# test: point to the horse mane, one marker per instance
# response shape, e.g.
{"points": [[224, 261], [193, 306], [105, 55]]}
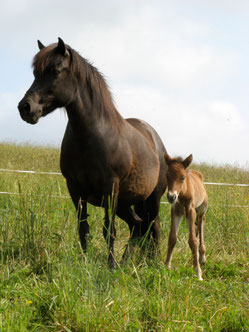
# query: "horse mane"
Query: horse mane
{"points": [[86, 73]]}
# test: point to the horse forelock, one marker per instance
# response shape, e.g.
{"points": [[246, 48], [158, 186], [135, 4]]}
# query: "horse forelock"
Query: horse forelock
{"points": [[47, 56], [176, 160], [176, 165], [44, 58]]}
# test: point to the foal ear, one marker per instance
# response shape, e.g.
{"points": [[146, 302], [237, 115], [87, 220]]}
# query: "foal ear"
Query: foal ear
{"points": [[40, 45], [167, 158], [62, 47], [186, 162]]}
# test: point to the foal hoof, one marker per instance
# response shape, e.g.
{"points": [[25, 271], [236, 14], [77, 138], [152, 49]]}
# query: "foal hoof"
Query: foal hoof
{"points": [[203, 260]]}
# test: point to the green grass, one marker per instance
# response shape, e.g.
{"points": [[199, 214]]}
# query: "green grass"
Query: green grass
{"points": [[47, 284]]}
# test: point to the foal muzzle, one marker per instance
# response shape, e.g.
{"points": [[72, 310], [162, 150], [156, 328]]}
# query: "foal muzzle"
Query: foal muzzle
{"points": [[172, 197]]}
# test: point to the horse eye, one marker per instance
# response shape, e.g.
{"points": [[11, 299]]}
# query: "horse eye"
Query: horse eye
{"points": [[182, 178], [56, 72]]}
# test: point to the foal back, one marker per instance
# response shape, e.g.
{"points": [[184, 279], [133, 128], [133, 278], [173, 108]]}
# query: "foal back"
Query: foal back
{"points": [[196, 190]]}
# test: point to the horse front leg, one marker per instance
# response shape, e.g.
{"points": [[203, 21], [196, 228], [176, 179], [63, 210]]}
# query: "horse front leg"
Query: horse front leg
{"points": [[83, 224], [202, 248], [109, 231], [193, 243], [81, 208], [176, 215]]}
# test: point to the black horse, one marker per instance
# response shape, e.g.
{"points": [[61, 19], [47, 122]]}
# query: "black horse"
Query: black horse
{"points": [[103, 155]]}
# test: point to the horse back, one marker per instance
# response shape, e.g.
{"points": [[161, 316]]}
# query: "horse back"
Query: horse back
{"points": [[151, 137], [197, 189]]}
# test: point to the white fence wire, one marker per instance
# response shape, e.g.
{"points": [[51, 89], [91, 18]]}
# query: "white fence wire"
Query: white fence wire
{"points": [[63, 196]]}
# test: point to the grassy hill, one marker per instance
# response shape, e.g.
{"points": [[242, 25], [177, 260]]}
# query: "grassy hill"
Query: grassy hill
{"points": [[47, 284]]}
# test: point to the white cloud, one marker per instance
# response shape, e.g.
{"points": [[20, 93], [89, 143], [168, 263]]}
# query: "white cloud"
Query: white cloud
{"points": [[213, 131]]}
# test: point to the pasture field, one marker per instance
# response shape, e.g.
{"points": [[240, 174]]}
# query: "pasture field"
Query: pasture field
{"points": [[48, 284]]}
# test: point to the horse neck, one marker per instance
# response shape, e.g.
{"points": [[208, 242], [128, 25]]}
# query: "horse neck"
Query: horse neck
{"points": [[92, 110]]}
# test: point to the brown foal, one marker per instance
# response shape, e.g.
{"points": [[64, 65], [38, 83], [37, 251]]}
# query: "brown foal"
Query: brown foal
{"points": [[186, 193]]}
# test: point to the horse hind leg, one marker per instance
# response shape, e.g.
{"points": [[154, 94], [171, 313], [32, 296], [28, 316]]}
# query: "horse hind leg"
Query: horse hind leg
{"points": [[202, 248], [127, 214], [148, 211]]}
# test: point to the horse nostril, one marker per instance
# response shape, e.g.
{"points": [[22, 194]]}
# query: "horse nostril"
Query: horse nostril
{"points": [[171, 197], [26, 107]]}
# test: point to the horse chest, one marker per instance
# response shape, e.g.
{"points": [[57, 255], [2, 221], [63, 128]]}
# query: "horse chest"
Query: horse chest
{"points": [[81, 168]]}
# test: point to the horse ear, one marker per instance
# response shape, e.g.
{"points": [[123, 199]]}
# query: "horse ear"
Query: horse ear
{"points": [[40, 45], [167, 158], [62, 47], [186, 162]]}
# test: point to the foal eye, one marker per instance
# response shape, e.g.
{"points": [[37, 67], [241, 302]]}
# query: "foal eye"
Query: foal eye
{"points": [[182, 178]]}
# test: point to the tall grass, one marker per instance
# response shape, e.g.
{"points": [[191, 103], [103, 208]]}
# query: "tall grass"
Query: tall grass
{"points": [[48, 284]]}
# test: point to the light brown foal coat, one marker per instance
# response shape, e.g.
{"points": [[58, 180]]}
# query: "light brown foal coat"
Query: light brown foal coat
{"points": [[187, 195]]}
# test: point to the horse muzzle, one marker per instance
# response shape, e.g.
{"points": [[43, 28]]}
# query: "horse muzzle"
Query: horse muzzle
{"points": [[29, 112], [172, 197]]}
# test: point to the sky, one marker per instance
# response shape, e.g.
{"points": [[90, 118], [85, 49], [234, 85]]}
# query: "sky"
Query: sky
{"points": [[182, 66]]}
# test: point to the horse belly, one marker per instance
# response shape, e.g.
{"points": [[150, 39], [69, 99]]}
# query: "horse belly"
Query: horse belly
{"points": [[140, 183]]}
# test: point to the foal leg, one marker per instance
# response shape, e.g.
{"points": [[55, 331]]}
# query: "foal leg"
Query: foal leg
{"points": [[202, 248], [81, 207], [193, 243], [176, 215]]}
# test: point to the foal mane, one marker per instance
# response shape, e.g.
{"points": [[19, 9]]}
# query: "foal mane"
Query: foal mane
{"points": [[86, 74], [176, 160]]}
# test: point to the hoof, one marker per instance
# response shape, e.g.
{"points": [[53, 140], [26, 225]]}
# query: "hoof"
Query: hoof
{"points": [[112, 264], [203, 260]]}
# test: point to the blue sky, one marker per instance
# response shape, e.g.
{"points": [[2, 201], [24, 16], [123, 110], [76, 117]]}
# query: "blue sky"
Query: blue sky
{"points": [[183, 66]]}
